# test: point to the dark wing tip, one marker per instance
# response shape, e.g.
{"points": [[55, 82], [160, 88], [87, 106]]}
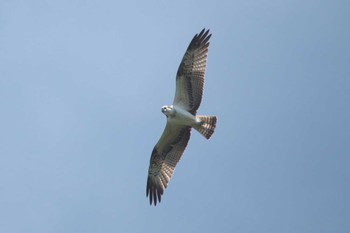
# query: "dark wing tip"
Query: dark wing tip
{"points": [[154, 192], [204, 34], [200, 40]]}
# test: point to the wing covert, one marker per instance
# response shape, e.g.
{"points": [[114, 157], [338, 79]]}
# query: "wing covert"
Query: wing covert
{"points": [[165, 156], [191, 73]]}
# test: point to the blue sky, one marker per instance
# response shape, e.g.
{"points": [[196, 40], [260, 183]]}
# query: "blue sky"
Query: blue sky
{"points": [[82, 84]]}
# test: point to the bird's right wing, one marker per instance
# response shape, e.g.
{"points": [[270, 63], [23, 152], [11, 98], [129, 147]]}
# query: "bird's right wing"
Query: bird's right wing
{"points": [[165, 155]]}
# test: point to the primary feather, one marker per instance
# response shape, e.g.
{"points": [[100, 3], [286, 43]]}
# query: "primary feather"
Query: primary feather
{"points": [[181, 117]]}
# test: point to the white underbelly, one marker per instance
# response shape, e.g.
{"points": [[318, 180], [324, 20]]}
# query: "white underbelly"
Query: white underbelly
{"points": [[183, 117]]}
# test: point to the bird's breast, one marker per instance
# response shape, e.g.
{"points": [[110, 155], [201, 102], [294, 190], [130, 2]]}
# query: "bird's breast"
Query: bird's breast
{"points": [[182, 117]]}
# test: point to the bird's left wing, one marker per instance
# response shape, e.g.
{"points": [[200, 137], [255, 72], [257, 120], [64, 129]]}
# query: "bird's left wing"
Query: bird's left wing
{"points": [[165, 155], [191, 72]]}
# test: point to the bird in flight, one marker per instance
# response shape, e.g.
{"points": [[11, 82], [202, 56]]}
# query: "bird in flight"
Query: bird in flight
{"points": [[181, 117]]}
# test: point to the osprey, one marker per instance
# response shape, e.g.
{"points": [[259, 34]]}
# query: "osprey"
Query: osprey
{"points": [[181, 117]]}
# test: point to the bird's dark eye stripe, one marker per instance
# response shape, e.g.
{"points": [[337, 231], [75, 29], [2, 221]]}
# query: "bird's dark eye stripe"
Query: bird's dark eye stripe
{"points": [[175, 137]]}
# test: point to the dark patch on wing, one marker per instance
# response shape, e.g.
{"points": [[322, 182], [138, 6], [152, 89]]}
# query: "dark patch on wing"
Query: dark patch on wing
{"points": [[191, 72], [162, 165]]}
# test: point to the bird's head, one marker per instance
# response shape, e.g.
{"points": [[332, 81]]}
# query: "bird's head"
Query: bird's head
{"points": [[168, 110]]}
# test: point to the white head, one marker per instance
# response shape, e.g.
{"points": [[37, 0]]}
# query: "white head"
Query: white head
{"points": [[168, 110]]}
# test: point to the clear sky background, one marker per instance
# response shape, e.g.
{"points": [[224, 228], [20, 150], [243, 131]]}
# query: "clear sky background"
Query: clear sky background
{"points": [[81, 88]]}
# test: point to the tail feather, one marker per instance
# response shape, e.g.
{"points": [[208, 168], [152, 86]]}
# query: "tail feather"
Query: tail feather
{"points": [[206, 126]]}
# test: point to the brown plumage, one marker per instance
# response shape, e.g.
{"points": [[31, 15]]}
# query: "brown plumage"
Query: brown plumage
{"points": [[181, 117]]}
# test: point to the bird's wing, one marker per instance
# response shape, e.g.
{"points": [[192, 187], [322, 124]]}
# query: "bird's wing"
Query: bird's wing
{"points": [[191, 72], [165, 155]]}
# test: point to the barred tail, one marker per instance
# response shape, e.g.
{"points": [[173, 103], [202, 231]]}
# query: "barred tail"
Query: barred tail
{"points": [[206, 126]]}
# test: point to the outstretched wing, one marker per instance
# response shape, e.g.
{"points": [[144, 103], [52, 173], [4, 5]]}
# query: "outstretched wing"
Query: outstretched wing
{"points": [[165, 155], [191, 72]]}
